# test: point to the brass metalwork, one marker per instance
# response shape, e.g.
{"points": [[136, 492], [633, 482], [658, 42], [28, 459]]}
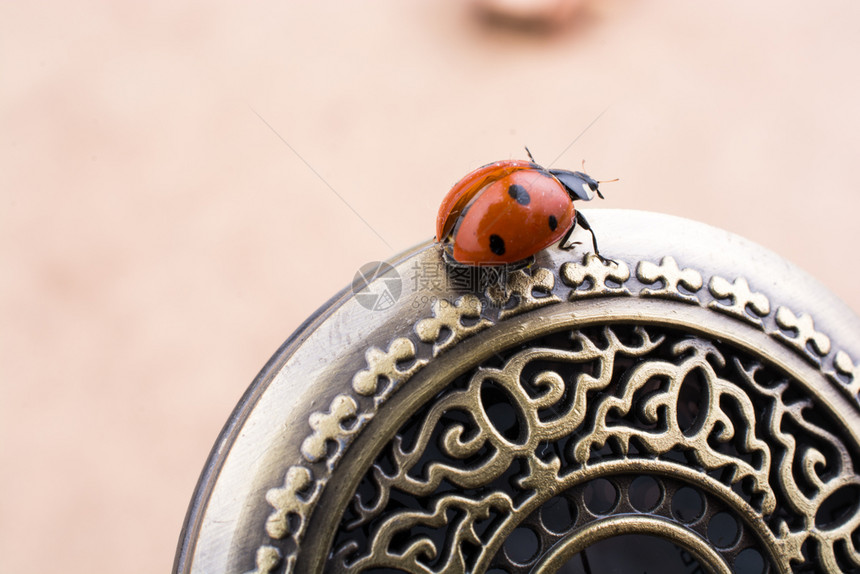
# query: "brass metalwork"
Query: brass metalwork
{"points": [[428, 437], [616, 526]]}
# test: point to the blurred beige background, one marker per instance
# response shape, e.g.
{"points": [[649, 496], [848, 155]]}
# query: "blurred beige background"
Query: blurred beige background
{"points": [[158, 241]]}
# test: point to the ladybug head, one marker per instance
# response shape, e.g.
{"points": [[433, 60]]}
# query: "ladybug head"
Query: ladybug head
{"points": [[579, 185]]}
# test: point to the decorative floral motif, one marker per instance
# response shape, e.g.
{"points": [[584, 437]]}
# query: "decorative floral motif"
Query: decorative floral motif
{"points": [[816, 469], [595, 278], [293, 499], [744, 304], [672, 277], [806, 340], [384, 372], [451, 323], [550, 418], [268, 558], [846, 367], [611, 395], [524, 291], [331, 428], [663, 409]]}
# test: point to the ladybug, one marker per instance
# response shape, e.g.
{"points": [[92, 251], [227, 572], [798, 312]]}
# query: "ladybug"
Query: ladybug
{"points": [[505, 212]]}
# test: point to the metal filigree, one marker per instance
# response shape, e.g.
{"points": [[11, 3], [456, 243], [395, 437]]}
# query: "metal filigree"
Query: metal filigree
{"points": [[385, 371], [745, 304], [485, 456], [332, 427], [804, 337], [674, 279], [593, 277], [291, 500], [634, 414], [592, 413], [452, 322], [513, 427], [266, 560], [524, 292], [664, 408], [846, 368]]}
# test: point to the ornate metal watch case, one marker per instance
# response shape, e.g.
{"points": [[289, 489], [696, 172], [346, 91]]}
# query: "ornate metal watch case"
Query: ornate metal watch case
{"points": [[698, 400]]}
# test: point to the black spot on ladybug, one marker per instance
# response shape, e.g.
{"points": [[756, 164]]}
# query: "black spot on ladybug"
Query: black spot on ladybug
{"points": [[497, 244], [519, 193], [553, 223]]}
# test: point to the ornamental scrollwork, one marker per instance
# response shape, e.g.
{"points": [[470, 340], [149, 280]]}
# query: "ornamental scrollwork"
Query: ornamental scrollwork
{"points": [[541, 421], [496, 447]]}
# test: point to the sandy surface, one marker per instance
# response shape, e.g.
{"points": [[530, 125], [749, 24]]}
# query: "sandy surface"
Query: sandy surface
{"points": [[158, 241]]}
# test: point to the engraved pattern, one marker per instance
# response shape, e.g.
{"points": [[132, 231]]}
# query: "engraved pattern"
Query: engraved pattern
{"points": [[804, 338], [467, 400], [332, 427], [414, 556], [267, 559], [573, 411], [813, 472], [452, 322], [524, 292], [489, 449], [385, 370], [571, 511], [291, 500], [744, 304], [714, 422], [595, 277], [846, 367], [672, 278]]}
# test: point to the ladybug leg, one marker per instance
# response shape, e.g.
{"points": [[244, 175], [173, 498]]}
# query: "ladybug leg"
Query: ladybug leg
{"points": [[581, 220], [563, 243]]}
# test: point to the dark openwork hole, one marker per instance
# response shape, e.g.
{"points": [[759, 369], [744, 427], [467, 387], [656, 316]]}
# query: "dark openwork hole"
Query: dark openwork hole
{"points": [[634, 553]]}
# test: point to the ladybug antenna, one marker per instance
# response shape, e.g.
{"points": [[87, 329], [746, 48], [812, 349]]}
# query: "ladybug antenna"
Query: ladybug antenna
{"points": [[604, 181], [598, 181], [530, 154]]}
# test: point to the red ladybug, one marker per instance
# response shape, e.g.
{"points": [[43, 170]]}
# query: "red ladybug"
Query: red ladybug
{"points": [[507, 211]]}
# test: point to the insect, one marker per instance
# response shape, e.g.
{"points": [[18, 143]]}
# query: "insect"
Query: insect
{"points": [[505, 212]]}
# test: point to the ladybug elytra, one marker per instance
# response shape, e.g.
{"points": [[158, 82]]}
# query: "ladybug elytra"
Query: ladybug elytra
{"points": [[507, 211]]}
